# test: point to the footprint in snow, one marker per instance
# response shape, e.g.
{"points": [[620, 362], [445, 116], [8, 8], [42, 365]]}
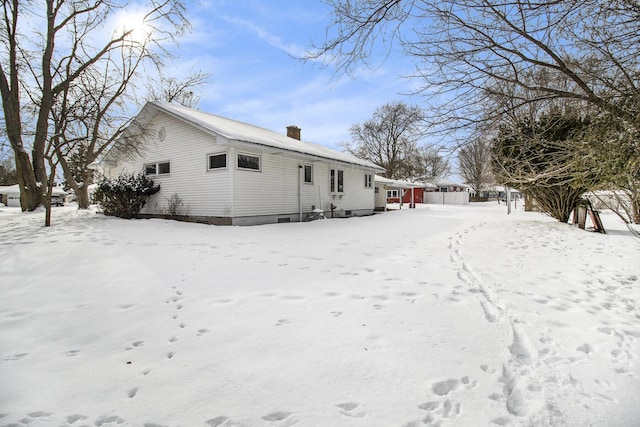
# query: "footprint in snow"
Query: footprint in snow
{"points": [[281, 417], [106, 420], [442, 388], [39, 414], [429, 406], [217, 421], [75, 417], [350, 409], [17, 356]]}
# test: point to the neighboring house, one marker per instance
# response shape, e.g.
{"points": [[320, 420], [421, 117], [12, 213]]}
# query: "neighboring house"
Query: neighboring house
{"points": [[448, 193], [229, 172], [444, 185], [10, 196], [497, 192], [438, 192], [390, 191]]}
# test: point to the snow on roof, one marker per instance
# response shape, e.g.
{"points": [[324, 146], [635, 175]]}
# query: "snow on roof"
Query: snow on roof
{"points": [[440, 182], [244, 132], [397, 183], [13, 189]]}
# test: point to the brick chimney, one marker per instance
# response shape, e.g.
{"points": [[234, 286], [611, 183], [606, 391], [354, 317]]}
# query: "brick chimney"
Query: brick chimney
{"points": [[293, 131]]}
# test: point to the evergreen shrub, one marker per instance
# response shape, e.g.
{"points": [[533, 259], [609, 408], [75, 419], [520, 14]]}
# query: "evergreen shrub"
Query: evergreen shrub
{"points": [[125, 195]]}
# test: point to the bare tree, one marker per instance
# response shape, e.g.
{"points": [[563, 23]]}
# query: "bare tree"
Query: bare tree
{"points": [[181, 91], [389, 139], [474, 163], [47, 50], [431, 164], [465, 50], [8, 174]]}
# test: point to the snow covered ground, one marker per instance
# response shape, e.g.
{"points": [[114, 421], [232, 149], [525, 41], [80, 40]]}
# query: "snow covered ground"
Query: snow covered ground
{"points": [[440, 315]]}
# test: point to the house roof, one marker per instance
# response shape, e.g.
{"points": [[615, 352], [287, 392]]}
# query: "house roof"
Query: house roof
{"points": [[396, 183], [244, 132], [15, 189], [441, 182]]}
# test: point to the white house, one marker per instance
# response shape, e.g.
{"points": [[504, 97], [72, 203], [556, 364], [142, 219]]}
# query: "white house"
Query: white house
{"points": [[229, 172]]}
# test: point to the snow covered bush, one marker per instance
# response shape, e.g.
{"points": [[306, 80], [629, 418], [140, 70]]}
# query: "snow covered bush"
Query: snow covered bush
{"points": [[125, 195]]}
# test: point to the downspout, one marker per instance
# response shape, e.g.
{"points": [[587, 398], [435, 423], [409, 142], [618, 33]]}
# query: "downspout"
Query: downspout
{"points": [[233, 166], [300, 172]]}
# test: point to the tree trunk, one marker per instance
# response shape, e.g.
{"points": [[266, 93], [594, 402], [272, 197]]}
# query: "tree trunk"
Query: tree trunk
{"points": [[30, 192], [47, 205], [83, 196], [81, 190]]}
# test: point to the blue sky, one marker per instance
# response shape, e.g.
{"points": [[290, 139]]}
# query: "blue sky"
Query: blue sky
{"points": [[248, 45]]}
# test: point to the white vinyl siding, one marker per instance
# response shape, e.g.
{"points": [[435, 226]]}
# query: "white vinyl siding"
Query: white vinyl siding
{"points": [[275, 190], [272, 192], [205, 194], [232, 192]]}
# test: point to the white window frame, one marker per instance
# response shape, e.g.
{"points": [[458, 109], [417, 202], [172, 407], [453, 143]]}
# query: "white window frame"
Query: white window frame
{"points": [[156, 166], [368, 180], [305, 173], [335, 183], [226, 161], [259, 169]]}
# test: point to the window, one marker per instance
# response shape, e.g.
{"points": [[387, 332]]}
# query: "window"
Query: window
{"points": [[246, 161], [164, 168], [218, 161], [368, 180], [161, 168], [337, 181], [308, 174]]}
